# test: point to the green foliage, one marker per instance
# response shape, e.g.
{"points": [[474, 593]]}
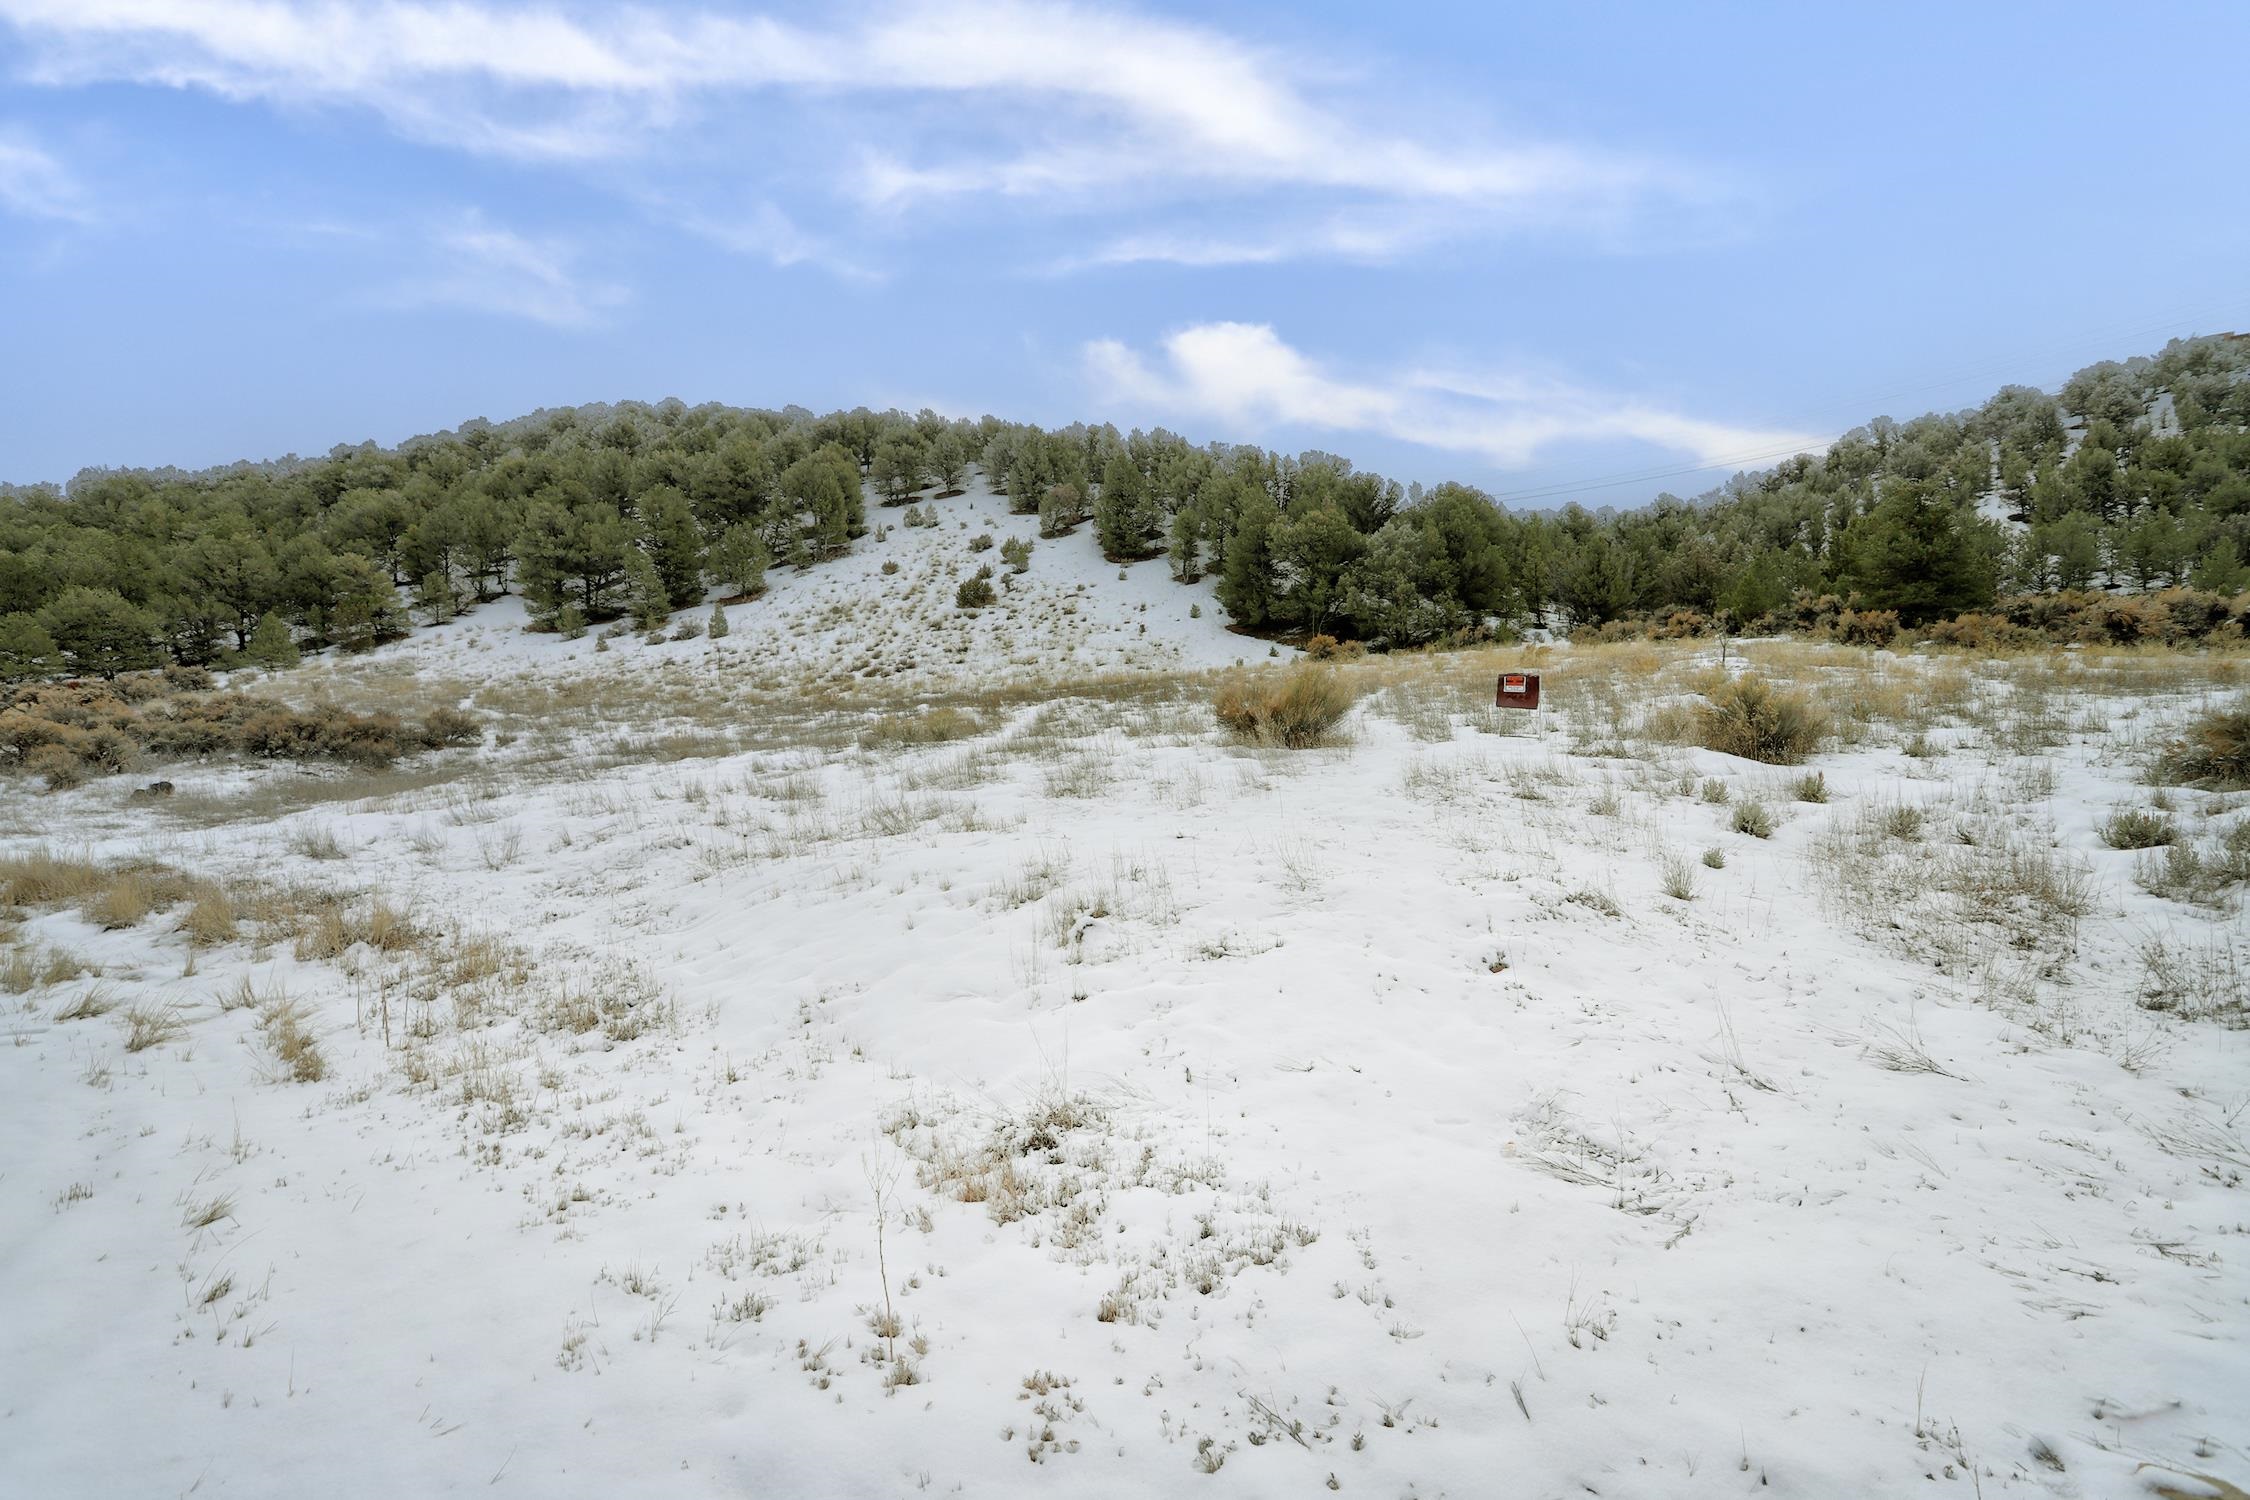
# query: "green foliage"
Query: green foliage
{"points": [[673, 544], [271, 644], [719, 626], [646, 596], [1061, 510], [27, 651], [1129, 514], [1921, 555], [738, 561], [975, 593], [123, 568], [97, 633], [1016, 553], [899, 467]]}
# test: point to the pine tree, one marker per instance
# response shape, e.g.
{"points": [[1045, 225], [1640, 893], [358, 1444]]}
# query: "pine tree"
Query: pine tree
{"points": [[1915, 553], [719, 626], [673, 544], [737, 561], [26, 650], [1123, 513], [645, 596], [271, 643], [2221, 569], [99, 633], [1246, 582]]}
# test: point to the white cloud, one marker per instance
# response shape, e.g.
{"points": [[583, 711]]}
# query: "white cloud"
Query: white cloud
{"points": [[34, 185], [485, 268], [1244, 375], [1094, 106]]}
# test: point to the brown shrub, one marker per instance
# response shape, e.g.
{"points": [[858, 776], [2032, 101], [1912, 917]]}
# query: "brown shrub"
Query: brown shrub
{"points": [[1748, 716], [1295, 708], [65, 731], [1865, 627], [2213, 752]]}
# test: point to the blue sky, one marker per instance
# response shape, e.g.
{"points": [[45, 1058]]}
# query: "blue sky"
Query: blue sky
{"points": [[1532, 247]]}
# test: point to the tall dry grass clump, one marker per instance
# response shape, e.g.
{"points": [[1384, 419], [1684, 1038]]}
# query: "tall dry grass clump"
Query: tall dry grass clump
{"points": [[2213, 752], [1750, 717], [1295, 708]]}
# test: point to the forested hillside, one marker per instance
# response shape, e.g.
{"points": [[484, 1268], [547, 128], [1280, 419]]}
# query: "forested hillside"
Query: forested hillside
{"points": [[2135, 479]]}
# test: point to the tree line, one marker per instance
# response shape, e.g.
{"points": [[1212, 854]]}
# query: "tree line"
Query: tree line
{"points": [[2135, 477]]}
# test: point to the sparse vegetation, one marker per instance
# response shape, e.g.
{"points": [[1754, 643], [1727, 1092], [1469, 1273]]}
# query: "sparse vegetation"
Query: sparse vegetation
{"points": [[2212, 752], [1297, 707], [1750, 717], [2136, 828]]}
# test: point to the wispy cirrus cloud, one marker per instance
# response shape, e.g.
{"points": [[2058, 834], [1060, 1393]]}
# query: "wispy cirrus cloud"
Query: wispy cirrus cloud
{"points": [[1076, 108], [1245, 375], [484, 267], [35, 185]]}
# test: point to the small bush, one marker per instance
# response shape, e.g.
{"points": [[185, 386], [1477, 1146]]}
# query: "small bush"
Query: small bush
{"points": [[1295, 708], [981, 542], [974, 593], [1715, 859], [1751, 817], [1748, 716], [1320, 647], [1016, 553], [1810, 787], [2135, 829], [2213, 752], [890, 567]]}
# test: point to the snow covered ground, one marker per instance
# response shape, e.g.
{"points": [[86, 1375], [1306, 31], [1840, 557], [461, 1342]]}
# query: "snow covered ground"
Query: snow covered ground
{"points": [[1069, 613], [755, 1101]]}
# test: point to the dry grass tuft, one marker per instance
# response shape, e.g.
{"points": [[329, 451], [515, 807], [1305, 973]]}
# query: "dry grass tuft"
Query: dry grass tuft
{"points": [[124, 902], [2132, 828], [1295, 709], [935, 726], [2213, 752], [1750, 717], [289, 1037], [210, 920], [41, 878], [149, 1026]]}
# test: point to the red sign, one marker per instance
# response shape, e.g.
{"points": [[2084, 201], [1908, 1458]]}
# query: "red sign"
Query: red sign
{"points": [[1518, 690]]}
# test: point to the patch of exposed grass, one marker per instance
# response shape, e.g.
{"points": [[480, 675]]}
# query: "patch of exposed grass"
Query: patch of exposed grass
{"points": [[1750, 717], [1295, 708], [2212, 752]]}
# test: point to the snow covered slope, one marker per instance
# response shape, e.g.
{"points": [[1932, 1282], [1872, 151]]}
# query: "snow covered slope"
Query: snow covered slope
{"points": [[1069, 613], [1086, 1106]]}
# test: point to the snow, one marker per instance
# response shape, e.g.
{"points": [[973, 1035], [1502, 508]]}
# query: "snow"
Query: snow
{"points": [[1413, 1137], [1070, 612]]}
